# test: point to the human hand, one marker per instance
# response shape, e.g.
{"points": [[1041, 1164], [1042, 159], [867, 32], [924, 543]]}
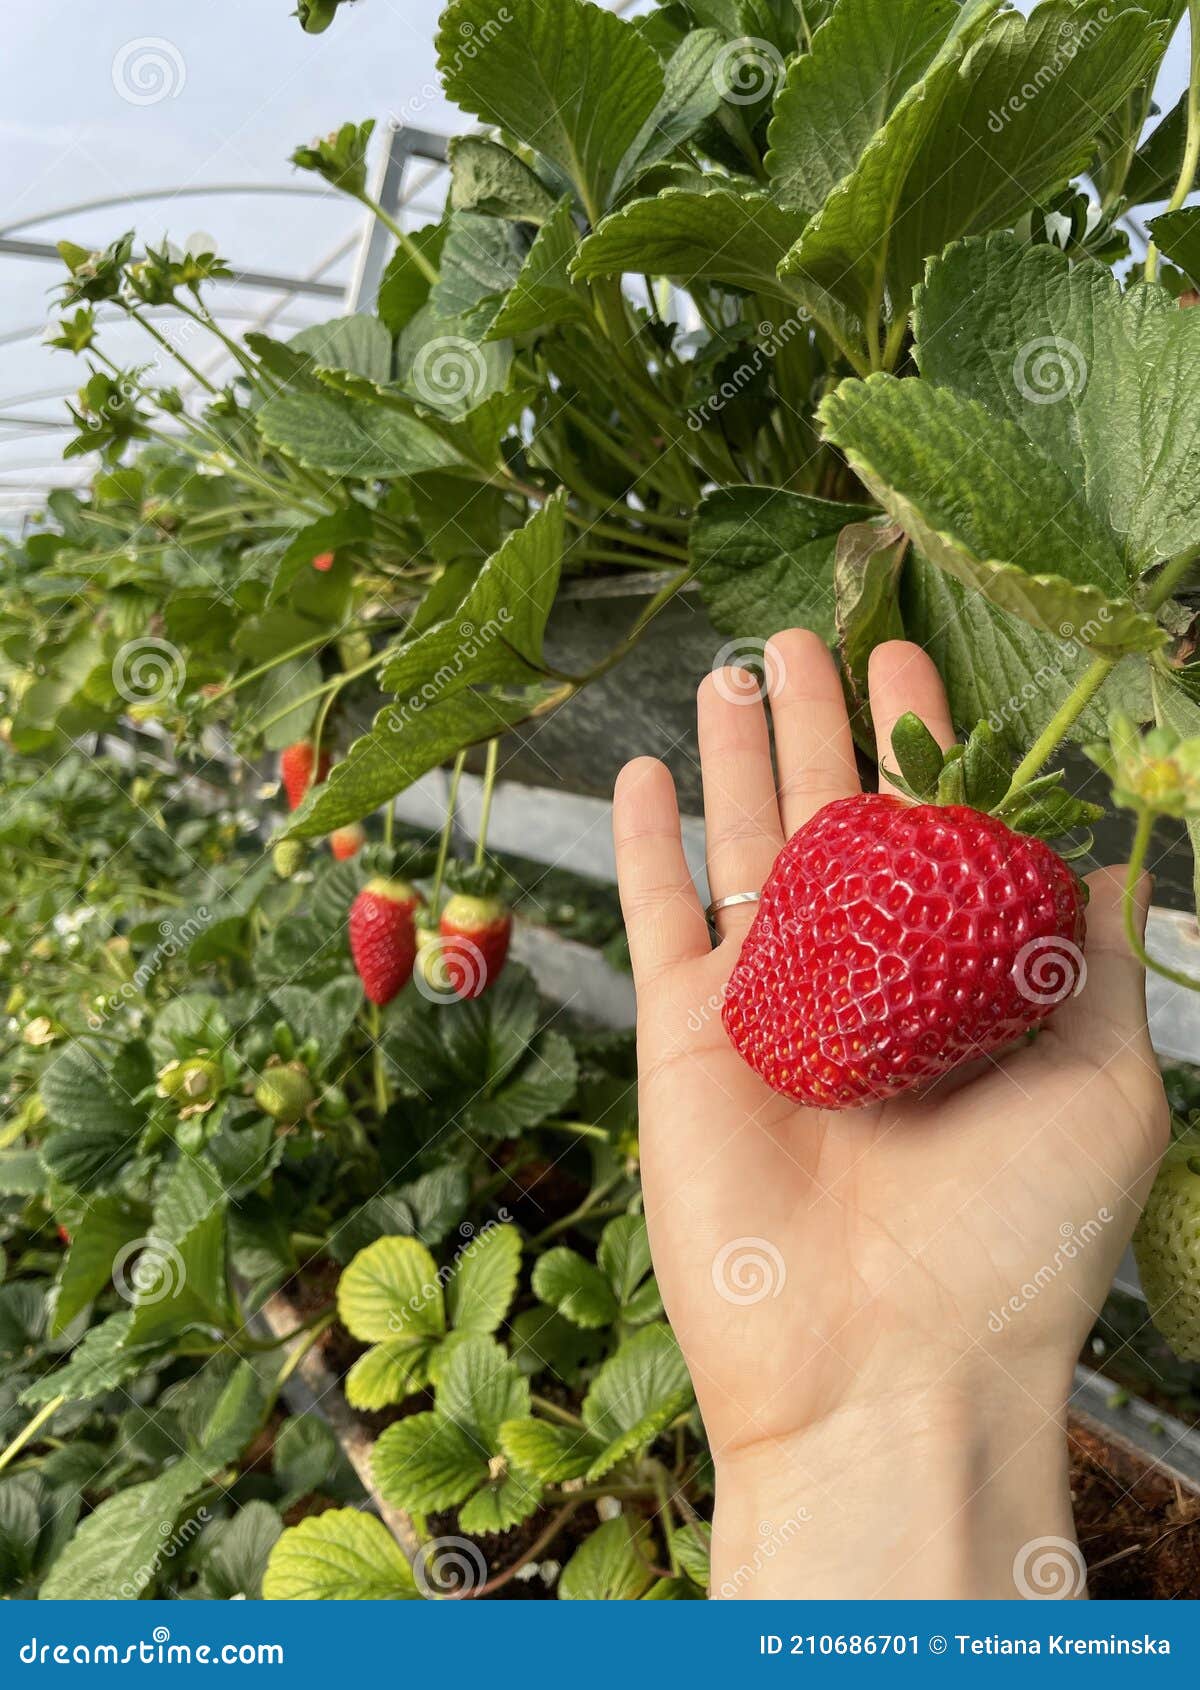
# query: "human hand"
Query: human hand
{"points": [[896, 1377]]}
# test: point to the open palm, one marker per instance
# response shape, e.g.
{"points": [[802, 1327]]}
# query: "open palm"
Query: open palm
{"points": [[808, 1258]]}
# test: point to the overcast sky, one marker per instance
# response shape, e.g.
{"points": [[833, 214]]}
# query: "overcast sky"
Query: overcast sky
{"points": [[131, 95]]}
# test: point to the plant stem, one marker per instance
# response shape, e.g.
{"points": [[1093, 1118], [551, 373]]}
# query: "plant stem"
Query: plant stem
{"points": [[447, 829], [332, 687], [307, 1340], [1137, 862], [403, 238], [145, 323], [542, 1541], [1191, 152], [29, 1429], [1169, 576], [485, 812], [378, 1068], [554, 1410], [1055, 731]]}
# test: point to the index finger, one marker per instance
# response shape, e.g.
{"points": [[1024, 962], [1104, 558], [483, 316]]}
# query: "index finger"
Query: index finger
{"points": [[659, 901]]}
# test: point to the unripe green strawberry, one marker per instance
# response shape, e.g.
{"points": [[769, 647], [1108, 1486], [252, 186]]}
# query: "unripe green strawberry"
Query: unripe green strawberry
{"points": [[429, 969], [194, 1080], [285, 1091], [1167, 1247], [287, 857]]}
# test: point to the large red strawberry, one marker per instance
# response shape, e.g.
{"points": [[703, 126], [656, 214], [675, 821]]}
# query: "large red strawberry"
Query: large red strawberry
{"points": [[895, 941], [347, 842], [296, 770], [383, 938], [476, 926]]}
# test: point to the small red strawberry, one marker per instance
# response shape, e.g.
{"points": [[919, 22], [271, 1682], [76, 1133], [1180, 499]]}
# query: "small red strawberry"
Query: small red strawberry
{"points": [[383, 938], [475, 926], [347, 842], [296, 768], [323, 561], [64, 1237], [895, 941]]}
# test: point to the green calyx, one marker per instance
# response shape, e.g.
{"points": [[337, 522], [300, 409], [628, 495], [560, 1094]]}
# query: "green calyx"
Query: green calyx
{"points": [[1156, 773], [285, 1091], [476, 880], [979, 775]]}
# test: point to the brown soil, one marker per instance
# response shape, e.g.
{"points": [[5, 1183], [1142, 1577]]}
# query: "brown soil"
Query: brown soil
{"points": [[1138, 1528]]}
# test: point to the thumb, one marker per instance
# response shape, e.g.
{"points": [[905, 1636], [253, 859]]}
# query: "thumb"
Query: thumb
{"points": [[1106, 1021]]}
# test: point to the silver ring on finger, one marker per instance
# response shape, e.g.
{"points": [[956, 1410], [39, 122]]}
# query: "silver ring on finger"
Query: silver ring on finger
{"points": [[733, 901]]}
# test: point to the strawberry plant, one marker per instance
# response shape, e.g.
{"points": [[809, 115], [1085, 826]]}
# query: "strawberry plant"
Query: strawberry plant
{"points": [[802, 315]]}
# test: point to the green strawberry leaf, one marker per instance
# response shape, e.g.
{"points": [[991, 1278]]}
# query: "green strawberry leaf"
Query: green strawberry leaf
{"points": [[569, 79], [576, 1288], [623, 1255], [553, 1453], [613, 1565], [691, 1546], [764, 560], [487, 177], [480, 1291], [392, 1290], [966, 486], [542, 1087], [98, 1234], [938, 169], [544, 294], [389, 1372], [503, 1502], [427, 1462], [352, 437], [479, 1388], [866, 574], [1174, 709], [179, 1278], [647, 1377], [1095, 378], [834, 98], [734, 238], [360, 344], [341, 1555], [1177, 235], [118, 1549]]}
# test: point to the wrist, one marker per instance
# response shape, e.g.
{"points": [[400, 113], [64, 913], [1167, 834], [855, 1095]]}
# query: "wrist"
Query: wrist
{"points": [[936, 1493]]}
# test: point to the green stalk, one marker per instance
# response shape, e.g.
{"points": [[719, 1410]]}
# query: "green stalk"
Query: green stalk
{"points": [[447, 828], [403, 238], [485, 812], [178, 356], [1056, 730], [1137, 863], [1191, 152], [29, 1430], [332, 687]]}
